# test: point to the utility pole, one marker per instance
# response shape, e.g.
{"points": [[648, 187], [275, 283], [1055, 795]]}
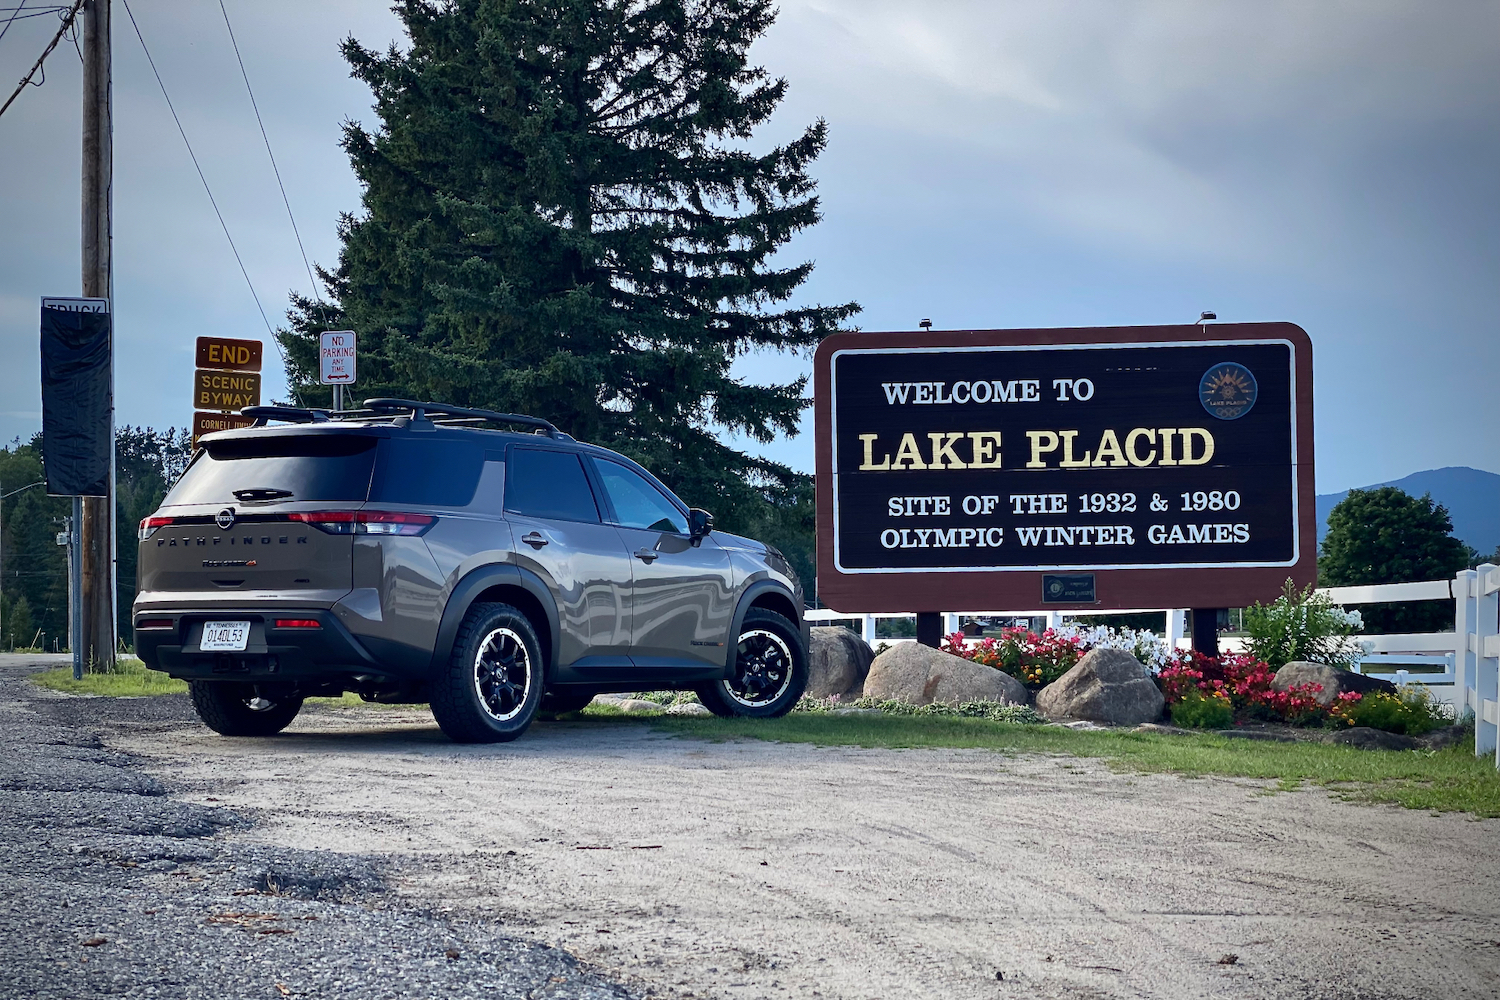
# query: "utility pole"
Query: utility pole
{"points": [[96, 598]]}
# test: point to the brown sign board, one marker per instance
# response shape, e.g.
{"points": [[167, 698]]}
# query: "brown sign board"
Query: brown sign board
{"points": [[215, 390], [226, 354], [207, 423], [1099, 468]]}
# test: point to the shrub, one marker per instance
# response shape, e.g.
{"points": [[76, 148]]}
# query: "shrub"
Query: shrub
{"points": [[1198, 710], [1302, 625], [1411, 710]]}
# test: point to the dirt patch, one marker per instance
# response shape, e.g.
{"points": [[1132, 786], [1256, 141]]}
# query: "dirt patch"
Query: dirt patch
{"points": [[755, 869]]}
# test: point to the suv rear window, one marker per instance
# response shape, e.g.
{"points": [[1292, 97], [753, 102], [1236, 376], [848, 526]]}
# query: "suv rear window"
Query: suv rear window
{"points": [[317, 467], [430, 473]]}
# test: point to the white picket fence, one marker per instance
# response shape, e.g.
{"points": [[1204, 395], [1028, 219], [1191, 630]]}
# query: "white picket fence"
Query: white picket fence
{"points": [[1461, 668]]}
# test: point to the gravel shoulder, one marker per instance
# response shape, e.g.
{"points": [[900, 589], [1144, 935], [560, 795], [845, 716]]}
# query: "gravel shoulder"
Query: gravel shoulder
{"points": [[115, 884], [747, 869]]}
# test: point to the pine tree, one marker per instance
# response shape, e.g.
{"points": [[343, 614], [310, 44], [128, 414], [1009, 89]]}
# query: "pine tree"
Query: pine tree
{"points": [[562, 217]]}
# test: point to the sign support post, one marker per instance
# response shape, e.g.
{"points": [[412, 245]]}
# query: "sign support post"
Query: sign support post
{"points": [[1206, 631]]}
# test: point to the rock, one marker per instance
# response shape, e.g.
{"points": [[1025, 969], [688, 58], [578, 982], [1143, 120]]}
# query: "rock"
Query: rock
{"points": [[638, 706], [1365, 738], [837, 663], [921, 675], [1165, 730], [1335, 680], [690, 708], [1444, 737], [1107, 685], [1258, 735]]}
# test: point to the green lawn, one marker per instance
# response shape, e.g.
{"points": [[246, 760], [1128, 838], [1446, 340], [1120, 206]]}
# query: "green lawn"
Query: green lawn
{"points": [[1450, 780], [130, 679]]}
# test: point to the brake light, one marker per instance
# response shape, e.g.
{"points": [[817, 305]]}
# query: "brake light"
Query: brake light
{"points": [[365, 522], [153, 623], [150, 524], [298, 623]]}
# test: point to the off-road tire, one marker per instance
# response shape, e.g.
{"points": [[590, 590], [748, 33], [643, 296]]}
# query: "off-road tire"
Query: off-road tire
{"points": [[226, 708], [560, 701], [476, 702], [760, 657]]}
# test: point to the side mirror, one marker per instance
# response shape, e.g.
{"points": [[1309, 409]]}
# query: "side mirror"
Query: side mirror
{"points": [[700, 523]]}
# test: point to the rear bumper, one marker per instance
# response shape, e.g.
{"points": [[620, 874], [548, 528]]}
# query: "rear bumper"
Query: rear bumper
{"points": [[273, 653]]}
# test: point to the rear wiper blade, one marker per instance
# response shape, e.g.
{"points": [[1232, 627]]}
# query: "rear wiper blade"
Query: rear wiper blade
{"points": [[261, 494]]}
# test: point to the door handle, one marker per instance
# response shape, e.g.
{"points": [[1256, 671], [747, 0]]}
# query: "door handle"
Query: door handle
{"points": [[647, 556], [535, 539]]}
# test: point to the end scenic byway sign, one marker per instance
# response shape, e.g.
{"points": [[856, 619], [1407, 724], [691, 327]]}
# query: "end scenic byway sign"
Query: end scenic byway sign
{"points": [[1124, 467]]}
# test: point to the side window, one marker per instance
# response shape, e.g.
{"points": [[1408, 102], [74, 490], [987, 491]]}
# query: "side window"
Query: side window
{"points": [[549, 484], [638, 504]]}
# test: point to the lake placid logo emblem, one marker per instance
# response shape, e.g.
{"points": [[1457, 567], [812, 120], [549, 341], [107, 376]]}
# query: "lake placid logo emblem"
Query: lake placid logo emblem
{"points": [[225, 518], [1228, 390]]}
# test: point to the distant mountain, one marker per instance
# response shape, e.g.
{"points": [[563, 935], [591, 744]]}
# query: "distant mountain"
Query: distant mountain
{"points": [[1472, 497]]}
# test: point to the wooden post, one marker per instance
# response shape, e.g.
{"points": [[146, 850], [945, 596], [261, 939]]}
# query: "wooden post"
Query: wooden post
{"points": [[96, 537], [1206, 631], [929, 628]]}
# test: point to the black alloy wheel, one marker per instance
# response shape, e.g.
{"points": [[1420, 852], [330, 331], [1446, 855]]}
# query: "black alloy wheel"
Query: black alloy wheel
{"points": [[769, 673], [493, 684]]}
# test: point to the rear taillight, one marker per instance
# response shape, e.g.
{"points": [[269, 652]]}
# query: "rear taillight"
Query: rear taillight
{"points": [[150, 524], [365, 522], [298, 623], [153, 623]]}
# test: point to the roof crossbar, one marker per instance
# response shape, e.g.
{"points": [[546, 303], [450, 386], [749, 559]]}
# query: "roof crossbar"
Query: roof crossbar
{"points": [[419, 410]]}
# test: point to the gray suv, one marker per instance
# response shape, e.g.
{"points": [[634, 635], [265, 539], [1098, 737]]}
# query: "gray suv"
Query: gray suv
{"points": [[413, 552]]}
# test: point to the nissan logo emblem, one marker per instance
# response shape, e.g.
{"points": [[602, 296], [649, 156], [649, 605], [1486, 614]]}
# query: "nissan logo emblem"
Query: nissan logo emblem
{"points": [[225, 518]]}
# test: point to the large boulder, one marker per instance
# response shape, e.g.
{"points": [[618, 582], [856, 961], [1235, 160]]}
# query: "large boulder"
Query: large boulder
{"points": [[921, 675], [1107, 685], [1335, 680], [837, 663]]}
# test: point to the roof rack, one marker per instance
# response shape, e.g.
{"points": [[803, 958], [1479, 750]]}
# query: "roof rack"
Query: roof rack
{"points": [[291, 414], [420, 410]]}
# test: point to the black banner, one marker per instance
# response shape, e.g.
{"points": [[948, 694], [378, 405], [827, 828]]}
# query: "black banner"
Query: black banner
{"points": [[1091, 456], [77, 397]]}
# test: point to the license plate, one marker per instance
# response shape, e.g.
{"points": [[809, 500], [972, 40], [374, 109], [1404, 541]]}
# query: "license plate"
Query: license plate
{"points": [[231, 636]]}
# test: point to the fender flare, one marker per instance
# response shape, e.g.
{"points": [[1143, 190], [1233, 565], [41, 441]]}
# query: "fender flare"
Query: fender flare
{"points": [[477, 582], [753, 591]]}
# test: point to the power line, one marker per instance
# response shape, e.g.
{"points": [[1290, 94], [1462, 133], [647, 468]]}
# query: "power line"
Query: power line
{"points": [[16, 12], [66, 24], [201, 177], [274, 169]]}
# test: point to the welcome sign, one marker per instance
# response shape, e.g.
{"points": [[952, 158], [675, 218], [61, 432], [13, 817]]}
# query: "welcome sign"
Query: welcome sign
{"points": [[1131, 464]]}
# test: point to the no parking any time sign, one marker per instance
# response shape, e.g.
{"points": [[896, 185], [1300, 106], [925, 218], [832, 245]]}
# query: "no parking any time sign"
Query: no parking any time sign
{"points": [[336, 355]]}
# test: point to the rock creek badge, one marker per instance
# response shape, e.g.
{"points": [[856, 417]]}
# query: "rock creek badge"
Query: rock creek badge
{"points": [[1228, 390]]}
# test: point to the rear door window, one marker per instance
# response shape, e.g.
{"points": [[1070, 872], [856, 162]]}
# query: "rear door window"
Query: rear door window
{"points": [[637, 503], [552, 484], [290, 468]]}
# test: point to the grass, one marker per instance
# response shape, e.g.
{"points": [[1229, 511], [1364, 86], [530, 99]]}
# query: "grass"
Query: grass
{"points": [[130, 679], [1448, 780]]}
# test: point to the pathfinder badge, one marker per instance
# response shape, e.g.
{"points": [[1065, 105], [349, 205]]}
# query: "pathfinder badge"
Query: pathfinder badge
{"points": [[1228, 390]]}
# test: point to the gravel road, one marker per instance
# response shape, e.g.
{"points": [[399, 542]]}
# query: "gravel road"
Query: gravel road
{"points": [[684, 868], [112, 884]]}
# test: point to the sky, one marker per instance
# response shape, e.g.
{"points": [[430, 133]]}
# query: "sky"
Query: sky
{"points": [[1026, 164]]}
